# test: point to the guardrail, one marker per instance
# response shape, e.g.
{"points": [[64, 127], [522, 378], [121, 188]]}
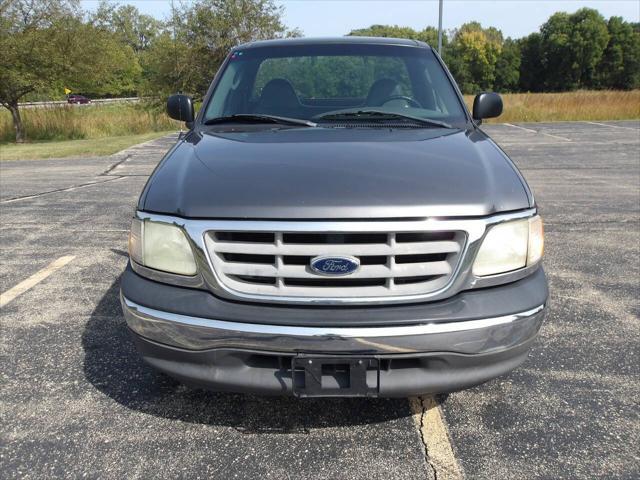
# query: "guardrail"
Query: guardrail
{"points": [[97, 101]]}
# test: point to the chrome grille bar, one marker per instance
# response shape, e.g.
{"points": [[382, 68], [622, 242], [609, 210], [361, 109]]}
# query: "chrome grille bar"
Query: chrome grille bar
{"points": [[276, 263]]}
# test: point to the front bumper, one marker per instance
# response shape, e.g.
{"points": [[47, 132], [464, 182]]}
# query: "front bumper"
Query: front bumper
{"points": [[419, 348]]}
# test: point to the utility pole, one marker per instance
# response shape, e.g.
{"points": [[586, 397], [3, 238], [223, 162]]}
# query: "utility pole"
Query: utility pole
{"points": [[440, 29]]}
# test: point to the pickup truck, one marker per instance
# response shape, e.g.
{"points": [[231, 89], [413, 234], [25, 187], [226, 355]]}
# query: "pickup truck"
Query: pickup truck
{"points": [[335, 223]]}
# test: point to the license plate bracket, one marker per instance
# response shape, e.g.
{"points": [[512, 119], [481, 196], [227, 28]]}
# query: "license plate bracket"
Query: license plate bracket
{"points": [[320, 376]]}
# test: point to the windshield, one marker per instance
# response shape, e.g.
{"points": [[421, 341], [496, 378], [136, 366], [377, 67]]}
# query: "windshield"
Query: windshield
{"points": [[310, 81]]}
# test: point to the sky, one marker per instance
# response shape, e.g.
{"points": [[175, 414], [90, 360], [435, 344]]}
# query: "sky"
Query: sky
{"points": [[321, 18]]}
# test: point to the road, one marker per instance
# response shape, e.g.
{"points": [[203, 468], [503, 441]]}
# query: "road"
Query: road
{"points": [[77, 401], [64, 103]]}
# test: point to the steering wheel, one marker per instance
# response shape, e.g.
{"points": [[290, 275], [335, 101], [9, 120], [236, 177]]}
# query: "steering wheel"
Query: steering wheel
{"points": [[411, 101]]}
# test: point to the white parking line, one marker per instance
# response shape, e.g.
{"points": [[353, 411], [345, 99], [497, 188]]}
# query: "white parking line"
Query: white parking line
{"points": [[435, 437], [34, 279], [538, 132], [612, 126], [521, 128]]}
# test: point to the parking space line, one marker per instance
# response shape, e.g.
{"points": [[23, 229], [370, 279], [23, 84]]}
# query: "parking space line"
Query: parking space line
{"points": [[612, 126], [538, 132], [34, 279], [435, 438], [521, 128]]}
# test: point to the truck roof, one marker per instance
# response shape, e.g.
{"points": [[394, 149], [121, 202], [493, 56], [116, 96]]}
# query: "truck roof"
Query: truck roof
{"points": [[347, 40]]}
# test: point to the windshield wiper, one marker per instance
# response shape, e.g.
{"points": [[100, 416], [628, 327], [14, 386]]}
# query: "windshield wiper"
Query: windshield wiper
{"points": [[259, 118], [361, 114]]}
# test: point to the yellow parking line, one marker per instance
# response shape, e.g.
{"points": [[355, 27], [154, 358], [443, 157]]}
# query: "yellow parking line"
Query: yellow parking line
{"points": [[34, 279], [435, 438]]}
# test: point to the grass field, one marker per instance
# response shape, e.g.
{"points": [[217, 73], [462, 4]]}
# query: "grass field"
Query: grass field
{"points": [[73, 148], [580, 105], [84, 122]]}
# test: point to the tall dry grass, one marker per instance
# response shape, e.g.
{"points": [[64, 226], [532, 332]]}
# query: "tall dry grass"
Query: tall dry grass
{"points": [[580, 105], [84, 122], [74, 122]]}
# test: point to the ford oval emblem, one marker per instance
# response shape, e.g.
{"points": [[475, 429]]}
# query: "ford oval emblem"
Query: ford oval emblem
{"points": [[335, 266]]}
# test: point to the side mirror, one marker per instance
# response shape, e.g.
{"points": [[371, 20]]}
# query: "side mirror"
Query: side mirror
{"points": [[487, 105], [180, 107]]}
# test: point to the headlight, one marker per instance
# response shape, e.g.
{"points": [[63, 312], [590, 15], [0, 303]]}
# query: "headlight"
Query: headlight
{"points": [[161, 246], [510, 246]]}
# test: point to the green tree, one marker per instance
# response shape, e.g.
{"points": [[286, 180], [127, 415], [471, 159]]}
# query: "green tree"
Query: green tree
{"points": [[46, 46], [107, 65], [199, 35], [532, 70], [29, 58], [164, 67], [572, 46], [472, 56], [130, 26], [428, 35], [620, 64], [508, 67]]}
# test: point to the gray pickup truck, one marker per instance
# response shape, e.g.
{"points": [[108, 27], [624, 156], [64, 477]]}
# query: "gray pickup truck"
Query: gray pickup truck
{"points": [[335, 223]]}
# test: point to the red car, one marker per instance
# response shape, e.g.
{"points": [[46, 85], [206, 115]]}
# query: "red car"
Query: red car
{"points": [[78, 99]]}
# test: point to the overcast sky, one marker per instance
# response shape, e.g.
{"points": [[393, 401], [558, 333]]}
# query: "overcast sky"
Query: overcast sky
{"points": [[516, 18]]}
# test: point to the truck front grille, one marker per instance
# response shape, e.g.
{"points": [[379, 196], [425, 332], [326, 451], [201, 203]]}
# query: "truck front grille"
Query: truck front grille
{"points": [[277, 264]]}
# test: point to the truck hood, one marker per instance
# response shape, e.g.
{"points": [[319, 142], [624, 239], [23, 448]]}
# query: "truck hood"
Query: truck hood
{"points": [[336, 173]]}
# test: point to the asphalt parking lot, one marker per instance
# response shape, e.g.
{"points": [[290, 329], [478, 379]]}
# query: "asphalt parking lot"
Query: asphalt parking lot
{"points": [[77, 401]]}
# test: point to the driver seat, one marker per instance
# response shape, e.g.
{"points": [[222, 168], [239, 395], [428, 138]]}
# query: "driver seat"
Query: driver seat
{"points": [[381, 90], [278, 97]]}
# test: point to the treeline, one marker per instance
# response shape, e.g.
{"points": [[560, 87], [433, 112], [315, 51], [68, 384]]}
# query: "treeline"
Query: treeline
{"points": [[581, 50], [48, 46]]}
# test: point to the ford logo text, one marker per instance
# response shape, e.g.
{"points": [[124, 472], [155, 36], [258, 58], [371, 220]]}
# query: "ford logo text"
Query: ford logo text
{"points": [[335, 266]]}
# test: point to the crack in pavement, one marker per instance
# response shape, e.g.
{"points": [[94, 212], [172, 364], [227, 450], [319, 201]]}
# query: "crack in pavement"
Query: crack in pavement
{"points": [[105, 173], [419, 414], [58, 190], [114, 166], [434, 435]]}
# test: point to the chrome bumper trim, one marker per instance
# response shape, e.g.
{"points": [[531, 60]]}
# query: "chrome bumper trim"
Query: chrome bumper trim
{"points": [[471, 336]]}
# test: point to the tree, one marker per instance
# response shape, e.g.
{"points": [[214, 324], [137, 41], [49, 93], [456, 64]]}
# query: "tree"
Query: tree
{"points": [[27, 37], [532, 70], [573, 45], [130, 26], [40, 41], [164, 67], [508, 67], [472, 56], [429, 35], [107, 66], [199, 36], [620, 64]]}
